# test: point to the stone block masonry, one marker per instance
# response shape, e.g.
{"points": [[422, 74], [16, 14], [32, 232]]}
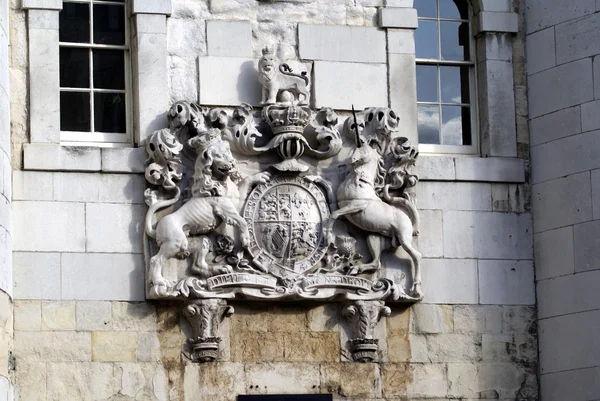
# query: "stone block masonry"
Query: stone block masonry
{"points": [[133, 349], [83, 329]]}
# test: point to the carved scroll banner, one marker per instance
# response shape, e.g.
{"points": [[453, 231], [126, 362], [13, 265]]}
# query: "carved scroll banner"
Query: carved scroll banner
{"points": [[283, 203]]}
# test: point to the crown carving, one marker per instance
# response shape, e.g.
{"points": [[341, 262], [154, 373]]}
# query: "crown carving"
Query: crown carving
{"points": [[287, 119]]}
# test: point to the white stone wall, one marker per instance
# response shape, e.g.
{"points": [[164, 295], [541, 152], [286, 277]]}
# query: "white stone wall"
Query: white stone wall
{"points": [[564, 105], [83, 330], [6, 233]]}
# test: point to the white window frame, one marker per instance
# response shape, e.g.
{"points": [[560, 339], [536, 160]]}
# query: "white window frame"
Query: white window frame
{"points": [[92, 137], [472, 149]]}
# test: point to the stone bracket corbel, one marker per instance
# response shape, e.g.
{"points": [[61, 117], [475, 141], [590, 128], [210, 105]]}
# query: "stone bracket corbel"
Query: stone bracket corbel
{"points": [[364, 316], [204, 317]]}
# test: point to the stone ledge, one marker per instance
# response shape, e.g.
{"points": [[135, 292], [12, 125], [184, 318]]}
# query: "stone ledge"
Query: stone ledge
{"points": [[42, 4], [123, 160], [152, 7], [484, 169], [488, 21], [398, 18], [37, 156]]}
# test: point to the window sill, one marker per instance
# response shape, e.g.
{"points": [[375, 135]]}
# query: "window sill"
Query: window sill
{"points": [[465, 168], [53, 157]]}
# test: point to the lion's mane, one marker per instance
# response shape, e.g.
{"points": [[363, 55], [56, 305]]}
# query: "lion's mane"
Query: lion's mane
{"points": [[205, 184]]}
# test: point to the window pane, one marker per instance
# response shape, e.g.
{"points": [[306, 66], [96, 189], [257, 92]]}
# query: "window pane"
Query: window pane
{"points": [[109, 24], [75, 111], [456, 125], [426, 40], [427, 83], [454, 40], [74, 68], [455, 84], [455, 9], [429, 124], [74, 23], [109, 69], [109, 113], [426, 8]]}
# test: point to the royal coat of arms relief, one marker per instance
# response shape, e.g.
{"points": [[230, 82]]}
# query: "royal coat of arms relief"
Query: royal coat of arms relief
{"points": [[284, 203]]}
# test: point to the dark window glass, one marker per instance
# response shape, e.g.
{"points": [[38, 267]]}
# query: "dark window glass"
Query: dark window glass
{"points": [[109, 24], [74, 23], [75, 111], [74, 68], [426, 39], [426, 8], [427, 83], [109, 69], [429, 124], [109, 113]]}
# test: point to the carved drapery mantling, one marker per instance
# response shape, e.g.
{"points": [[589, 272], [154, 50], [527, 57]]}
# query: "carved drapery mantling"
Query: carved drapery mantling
{"points": [[285, 203]]}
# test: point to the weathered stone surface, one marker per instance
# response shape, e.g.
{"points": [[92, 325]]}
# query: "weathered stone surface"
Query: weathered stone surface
{"points": [[430, 241], [587, 246], [229, 38], [38, 156], [398, 18], [454, 196], [336, 85], [554, 255], [132, 379], [238, 83], [557, 159], [555, 125], [99, 188], [254, 346], [30, 380], [432, 319], [84, 276], [400, 346], [312, 347], [433, 167], [490, 235], [576, 385], [490, 169], [324, 317], [214, 381], [78, 381], [341, 43], [506, 282], [544, 13], [447, 281], [477, 319], [291, 318], [576, 208], [67, 220], [282, 378], [519, 319], [474, 380], [53, 346], [114, 346], [342, 380], [123, 160], [149, 347], [36, 275], [396, 378], [574, 330], [128, 316], [569, 79], [32, 185], [596, 193], [401, 41], [497, 347], [186, 36], [58, 316], [93, 315], [428, 381], [122, 236], [568, 294], [569, 43], [28, 315], [510, 198], [454, 347]]}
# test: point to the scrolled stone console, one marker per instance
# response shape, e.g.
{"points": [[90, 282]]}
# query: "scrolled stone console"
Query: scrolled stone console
{"points": [[285, 204]]}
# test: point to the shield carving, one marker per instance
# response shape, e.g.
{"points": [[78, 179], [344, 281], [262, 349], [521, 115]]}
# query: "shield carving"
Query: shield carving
{"points": [[286, 218]]}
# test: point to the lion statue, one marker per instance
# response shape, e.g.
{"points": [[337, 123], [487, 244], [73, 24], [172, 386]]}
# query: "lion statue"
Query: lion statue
{"points": [[279, 83], [214, 195]]}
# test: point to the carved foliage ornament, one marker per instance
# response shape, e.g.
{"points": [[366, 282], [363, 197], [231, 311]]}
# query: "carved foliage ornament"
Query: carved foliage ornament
{"points": [[280, 205]]}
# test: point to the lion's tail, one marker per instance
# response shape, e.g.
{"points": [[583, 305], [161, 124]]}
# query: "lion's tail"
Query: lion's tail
{"points": [[406, 205], [287, 70], [155, 206]]}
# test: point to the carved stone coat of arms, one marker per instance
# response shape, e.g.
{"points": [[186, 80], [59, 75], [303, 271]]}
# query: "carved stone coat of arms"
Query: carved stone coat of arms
{"points": [[282, 203]]}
